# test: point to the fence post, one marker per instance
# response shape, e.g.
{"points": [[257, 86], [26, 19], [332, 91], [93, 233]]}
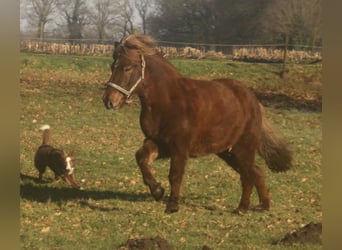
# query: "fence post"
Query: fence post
{"points": [[283, 71]]}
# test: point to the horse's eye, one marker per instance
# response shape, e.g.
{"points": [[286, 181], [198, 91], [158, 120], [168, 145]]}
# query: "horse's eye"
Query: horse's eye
{"points": [[128, 68], [116, 55], [113, 65]]}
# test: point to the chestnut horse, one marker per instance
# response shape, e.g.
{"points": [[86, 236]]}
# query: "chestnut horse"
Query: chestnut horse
{"points": [[182, 118]]}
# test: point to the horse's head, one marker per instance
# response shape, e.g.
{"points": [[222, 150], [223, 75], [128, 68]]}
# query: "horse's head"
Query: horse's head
{"points": [[128, 69]]}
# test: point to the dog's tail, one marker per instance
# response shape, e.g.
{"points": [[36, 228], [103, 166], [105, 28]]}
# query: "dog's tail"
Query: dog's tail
{"points": [[273, 147], [46, 134]]}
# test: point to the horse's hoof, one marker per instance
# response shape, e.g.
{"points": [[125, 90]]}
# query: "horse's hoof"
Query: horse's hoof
{"points": [[240, 211], [158, 192], [261, 208], [171, 208]]}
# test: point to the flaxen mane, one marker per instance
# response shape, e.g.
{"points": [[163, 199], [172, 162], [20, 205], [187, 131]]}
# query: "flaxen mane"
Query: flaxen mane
{"points": [[144, 44]]}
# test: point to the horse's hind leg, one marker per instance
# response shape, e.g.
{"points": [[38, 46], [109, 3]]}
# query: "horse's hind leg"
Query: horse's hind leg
{"points": [[250, 175], [230, 159], [260, 184], [145, 156], [242, 167]]}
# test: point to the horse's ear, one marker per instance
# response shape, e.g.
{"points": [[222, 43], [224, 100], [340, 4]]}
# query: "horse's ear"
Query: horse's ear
{"points": [[116, 44]]}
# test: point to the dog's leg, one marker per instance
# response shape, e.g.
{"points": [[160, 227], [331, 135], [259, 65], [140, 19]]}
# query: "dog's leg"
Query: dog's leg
{"points": [[41, 169]]}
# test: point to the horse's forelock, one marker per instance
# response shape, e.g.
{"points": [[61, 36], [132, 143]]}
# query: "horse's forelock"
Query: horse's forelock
{"points": [[144, 44]]}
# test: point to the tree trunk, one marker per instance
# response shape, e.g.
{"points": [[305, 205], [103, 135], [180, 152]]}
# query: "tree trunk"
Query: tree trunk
{"points": [[40, 31]]}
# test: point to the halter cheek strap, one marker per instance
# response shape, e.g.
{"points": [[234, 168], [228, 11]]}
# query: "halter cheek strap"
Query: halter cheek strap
{"points": [[129, 92]]}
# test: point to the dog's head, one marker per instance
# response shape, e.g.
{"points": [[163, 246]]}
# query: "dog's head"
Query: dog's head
{"points": [[66, 166]]}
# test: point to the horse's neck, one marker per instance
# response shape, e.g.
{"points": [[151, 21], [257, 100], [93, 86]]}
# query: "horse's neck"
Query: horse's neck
{"points": [[163, 68], [161, 78]]}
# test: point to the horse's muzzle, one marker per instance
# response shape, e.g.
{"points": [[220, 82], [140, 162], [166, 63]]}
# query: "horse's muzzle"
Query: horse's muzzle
{"points": [[108, 104], [114, 103]]}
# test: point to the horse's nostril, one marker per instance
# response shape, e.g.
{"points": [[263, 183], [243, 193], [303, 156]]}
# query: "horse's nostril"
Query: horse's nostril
{"points": [[109, 104]]}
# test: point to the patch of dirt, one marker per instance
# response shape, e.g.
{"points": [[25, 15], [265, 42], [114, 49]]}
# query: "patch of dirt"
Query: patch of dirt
{"points": [[309, 234], [156, 243], [283, 101]]}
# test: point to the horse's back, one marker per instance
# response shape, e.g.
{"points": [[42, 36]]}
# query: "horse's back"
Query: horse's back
{"points": [[218, 113]]}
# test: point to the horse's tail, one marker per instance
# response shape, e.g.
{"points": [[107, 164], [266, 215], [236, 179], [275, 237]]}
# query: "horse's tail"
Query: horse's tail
{"points": [[273, 147], [46, 134]]}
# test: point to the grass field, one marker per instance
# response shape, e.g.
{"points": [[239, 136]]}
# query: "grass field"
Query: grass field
{"points": [[114, 205]]}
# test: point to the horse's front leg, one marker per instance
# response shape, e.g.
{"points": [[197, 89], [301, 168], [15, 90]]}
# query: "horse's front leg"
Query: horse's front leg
{"points": [[178, 163], [145, 156]]}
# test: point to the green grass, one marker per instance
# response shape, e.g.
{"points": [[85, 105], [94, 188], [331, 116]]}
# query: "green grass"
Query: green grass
{"points": [[114, 205], [303, 78]]}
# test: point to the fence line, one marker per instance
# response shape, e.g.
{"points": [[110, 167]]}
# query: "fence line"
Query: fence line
{"points": [[66, 48], [247, 52], [175, 43]]}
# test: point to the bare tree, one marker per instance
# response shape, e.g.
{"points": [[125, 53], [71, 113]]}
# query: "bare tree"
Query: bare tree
{"points": [[293, 21], [313, 20], [39, 13], [143, 6], [298, 21], [103, 16], [207, 21], [76, 16], [126, 11]]}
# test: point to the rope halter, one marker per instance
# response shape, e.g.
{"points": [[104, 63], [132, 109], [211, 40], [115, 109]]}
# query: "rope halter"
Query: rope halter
{"points": [[129, 92]]}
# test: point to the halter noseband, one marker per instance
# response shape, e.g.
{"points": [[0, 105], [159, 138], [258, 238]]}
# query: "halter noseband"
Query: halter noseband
{"points": [[129, 92]]}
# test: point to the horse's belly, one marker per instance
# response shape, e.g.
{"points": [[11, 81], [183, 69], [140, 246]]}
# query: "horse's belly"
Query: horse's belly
{"points": [[215, 140], [206, 146], [202, 150]]}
